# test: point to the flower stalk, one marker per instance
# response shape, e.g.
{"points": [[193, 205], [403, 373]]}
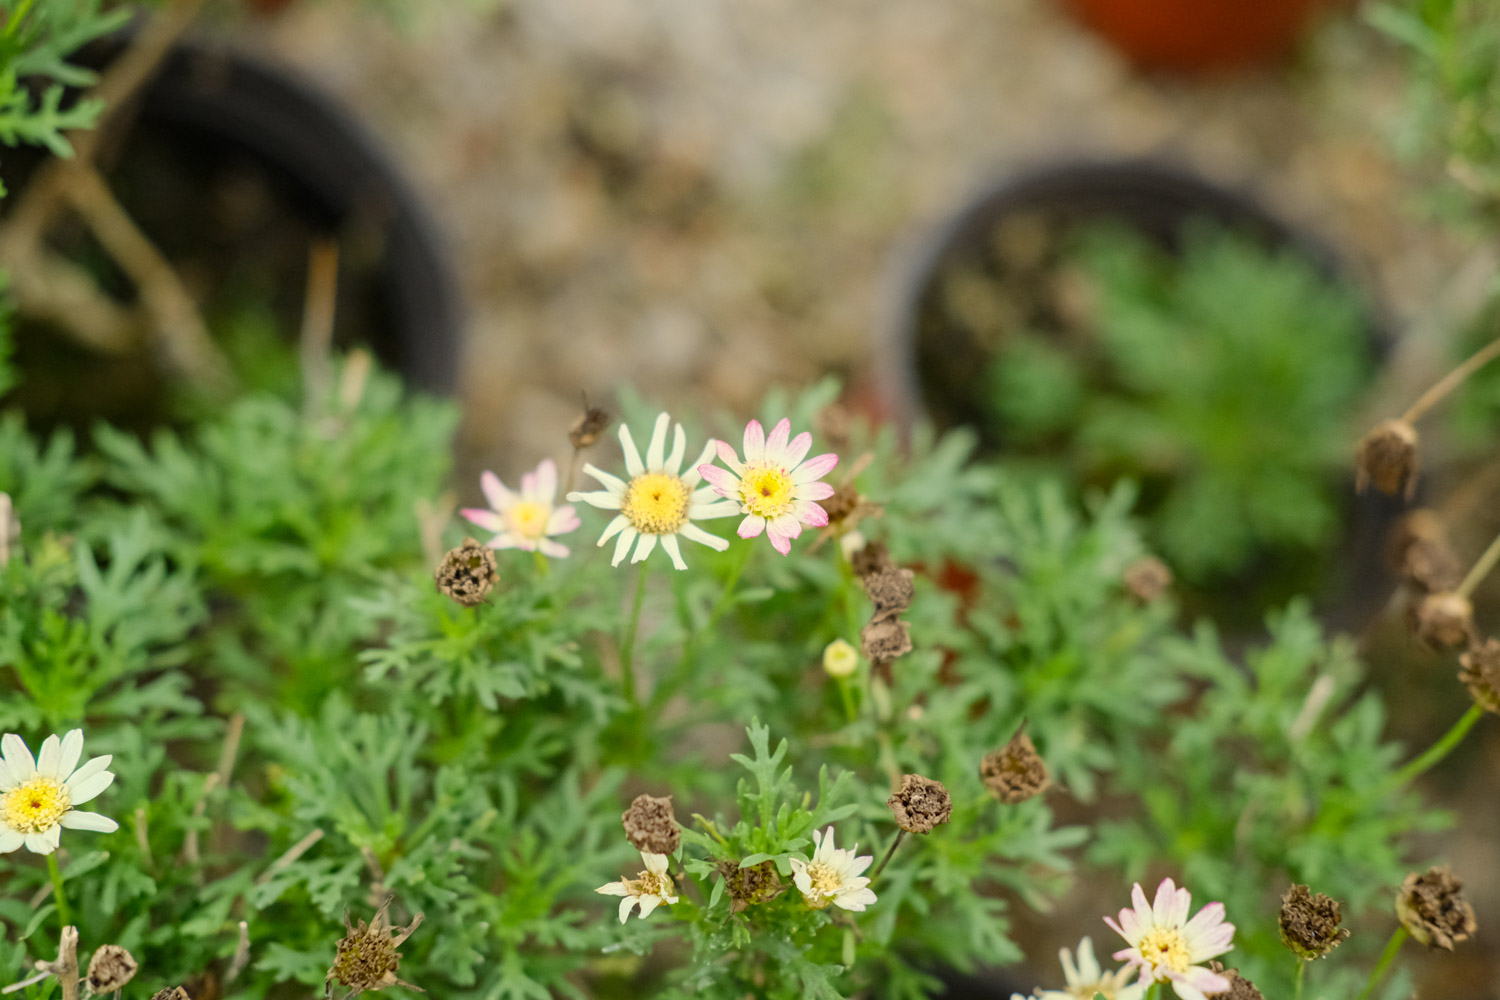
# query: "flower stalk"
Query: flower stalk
{"points": [[58, 895], [1383, 966], [1452, 380], [1444, 746], [1480, 570], [632, 625]]}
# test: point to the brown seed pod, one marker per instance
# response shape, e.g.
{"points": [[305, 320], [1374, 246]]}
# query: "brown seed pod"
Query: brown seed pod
{"points": [[885, 640], [1443, 620], [872, 559], [588, 427], [171, 993], [467, 573], [1481, 674], [367, 958], [1388, 457], [1015, 772], [1419, 551], [748, 886], [920, 804], [1240, 988], [1147, 578], [1310, 922], [891, 591], [1432, 907], [110, 969], [651, 825]]}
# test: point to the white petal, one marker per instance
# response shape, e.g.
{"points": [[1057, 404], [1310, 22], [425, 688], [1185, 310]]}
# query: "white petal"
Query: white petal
{"points": [[622, 544], [1070, 971], [92, 767], [626, 905], [40, 843], [75, 819], [694, 533], [22, 765], [658, 446], [546, 481], [49, 757], [655, 863], [670, 546], [613, 889], [89, 788], [709, 511], [603, 499], [649, 903], [643, 548], [1088, 965], [618, 524], [679, 448], [855, 901], [609, 481], [10, 840], [1143, 915], [692, 475], [6, 780], [803, 881]]}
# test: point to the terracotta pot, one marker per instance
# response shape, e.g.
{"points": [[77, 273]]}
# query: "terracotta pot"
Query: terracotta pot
{"points": [[1198, 35]]}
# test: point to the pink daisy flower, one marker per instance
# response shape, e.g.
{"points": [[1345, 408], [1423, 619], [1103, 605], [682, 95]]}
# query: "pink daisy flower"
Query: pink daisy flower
{"points": [[775, 489], [1168, 947], [525, 521]]}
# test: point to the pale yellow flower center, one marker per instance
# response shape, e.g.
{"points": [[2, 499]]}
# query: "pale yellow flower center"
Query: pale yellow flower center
{"points": [[824, 877], [652, 884], [1165, 947], [35, 805], [656, 503], [767, 491], [528, 519]]}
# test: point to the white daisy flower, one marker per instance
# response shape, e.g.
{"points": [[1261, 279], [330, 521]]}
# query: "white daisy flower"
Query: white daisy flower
{"points": [[649, 889], [657, 504], [833, 875], [1168, 947], [525, 521], [774, 487], [37, 796], [1086, 979]]}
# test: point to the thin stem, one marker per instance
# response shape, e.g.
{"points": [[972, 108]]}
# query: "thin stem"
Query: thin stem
{"points": [[900, 836], [58, 896], [1381, 967], [1452, 380], [1440, 749], [627, 645], [847, 696], [1301, 975], [1481, 569], [543, 567], [727, 594]]}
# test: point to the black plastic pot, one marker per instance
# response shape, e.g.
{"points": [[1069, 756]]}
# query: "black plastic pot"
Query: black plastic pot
{"points": [[936, 370], [233, 167]]}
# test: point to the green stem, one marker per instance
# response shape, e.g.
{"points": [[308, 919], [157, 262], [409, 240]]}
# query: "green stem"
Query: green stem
{"points": [[543, 567], [728, 593], [679, 676], [1301, 975], [1440, 749], [1381, 967], [627, 645], [900, 836], [850, 713], [58, 896], [1481, 569]]}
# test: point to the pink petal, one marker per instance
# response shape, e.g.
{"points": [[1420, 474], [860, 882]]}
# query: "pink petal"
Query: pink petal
{"points": [[495, 492], [1142, 910], [780, 542], [755, 442], [814, 491], [528, 486], [724, 482], [752, 526], [1207, 918], [776, 443], [546, 480], [1118, 929], [1166, 900], [550, 548], [811, 514], [562, 520], [797, 450], [728, 457], [486, 519], [815, 468]]}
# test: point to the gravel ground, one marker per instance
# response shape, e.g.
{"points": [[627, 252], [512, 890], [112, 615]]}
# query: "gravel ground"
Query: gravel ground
{"points": [[705, 197]]}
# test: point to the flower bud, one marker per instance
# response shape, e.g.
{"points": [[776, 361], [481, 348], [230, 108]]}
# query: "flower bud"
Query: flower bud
{"points": [[1432, 908], [840, 659], [1387, 456], [920, 804], [651, 825], [1310, 923]]}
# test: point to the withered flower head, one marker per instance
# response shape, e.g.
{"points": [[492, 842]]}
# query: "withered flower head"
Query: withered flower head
{"points": [[1433, 909], [1387, 456], [651, 825], [872, 559], [1444, 620], [842, 504], [171, 993], [1240, 988], [1147, 578], [1015, 772], [1310, 922], [1481, 672], [367, 958], [1419, 551], [110, 969], [920, 804], [748, 886], [588, 426], [885, 640], [467, 573], [891, 592]]}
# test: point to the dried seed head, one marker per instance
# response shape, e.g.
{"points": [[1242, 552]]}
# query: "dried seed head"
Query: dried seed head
{"points": [[1433, 909], [467, 573], [840, 659], [651, 825], [110, 969], [1481, 673], [1015, 772], [748, 886], [1419, 551], [891, 591], [172, 993], [1387, 456], [588, 427], [885, 640], [920, 804], [1240, 988], [1444, 620], [872, 559], [367, 958], [1310, 922], [842, 504], [1147, 578]]}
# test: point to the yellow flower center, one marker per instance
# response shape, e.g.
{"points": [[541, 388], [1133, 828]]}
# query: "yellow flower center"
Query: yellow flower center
{"points": [[767, 491], [652, 884], [656, 503], [35, 805], [528, 519], [824, 877], [1165, 947]]}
